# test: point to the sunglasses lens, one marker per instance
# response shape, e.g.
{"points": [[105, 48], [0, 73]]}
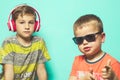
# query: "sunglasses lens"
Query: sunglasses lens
{"points": [[78, 40], [90, 38]]}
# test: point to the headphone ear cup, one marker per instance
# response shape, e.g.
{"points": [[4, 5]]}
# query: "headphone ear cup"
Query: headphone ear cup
{"points": [[11, 25], [37, 26]]}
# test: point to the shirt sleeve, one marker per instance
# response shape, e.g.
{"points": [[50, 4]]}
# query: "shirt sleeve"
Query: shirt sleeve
{"points": [[7, 53], [74, 66], [1, 55], [116, 68], [44, 52]]}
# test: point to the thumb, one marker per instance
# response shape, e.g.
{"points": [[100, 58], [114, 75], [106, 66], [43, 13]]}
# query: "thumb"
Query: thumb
{"points": [[107, 66], [108, 62]]}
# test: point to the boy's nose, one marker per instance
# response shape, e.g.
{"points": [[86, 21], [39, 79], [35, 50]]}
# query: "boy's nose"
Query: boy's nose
{"points": [[85, 41], [27, 26]]}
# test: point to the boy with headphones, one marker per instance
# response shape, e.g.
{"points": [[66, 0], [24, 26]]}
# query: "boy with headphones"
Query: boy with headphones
{"points": [[24, 54]]}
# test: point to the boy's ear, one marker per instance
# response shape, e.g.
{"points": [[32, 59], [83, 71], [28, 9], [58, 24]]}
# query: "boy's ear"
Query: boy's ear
{"points": [[103, 37]]}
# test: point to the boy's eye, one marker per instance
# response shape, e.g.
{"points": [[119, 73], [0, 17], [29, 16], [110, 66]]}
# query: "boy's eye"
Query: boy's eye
{"points": [[21, 22], [31, 22]]}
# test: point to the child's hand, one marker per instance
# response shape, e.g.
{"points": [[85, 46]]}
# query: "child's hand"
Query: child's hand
{"points": [[88, 76], [107, 72]]}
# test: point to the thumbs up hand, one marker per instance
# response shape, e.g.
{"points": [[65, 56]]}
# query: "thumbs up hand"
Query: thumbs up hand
{"points": [[108, 73]]}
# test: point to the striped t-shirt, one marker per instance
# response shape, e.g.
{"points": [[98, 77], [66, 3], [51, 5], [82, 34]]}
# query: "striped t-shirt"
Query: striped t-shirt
{"points": [[24, 59]]}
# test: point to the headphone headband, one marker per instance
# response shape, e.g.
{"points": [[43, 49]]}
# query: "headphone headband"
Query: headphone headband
{"points": [[11, 22]]}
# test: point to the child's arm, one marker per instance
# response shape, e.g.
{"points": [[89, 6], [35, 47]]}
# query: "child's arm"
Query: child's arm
{"points": [[8, 72], [41, 72]]}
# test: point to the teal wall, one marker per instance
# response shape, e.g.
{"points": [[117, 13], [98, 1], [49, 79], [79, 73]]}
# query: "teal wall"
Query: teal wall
{"points": [[57, 18]]}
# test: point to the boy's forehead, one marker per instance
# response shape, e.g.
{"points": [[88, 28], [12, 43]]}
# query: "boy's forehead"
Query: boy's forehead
{"points": [[26, 17], [85, 30], [22, 15], [87, 27]]}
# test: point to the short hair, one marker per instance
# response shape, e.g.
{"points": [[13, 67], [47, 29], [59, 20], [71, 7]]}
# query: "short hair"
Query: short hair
{"points": [[87, 18], [21, 10]]}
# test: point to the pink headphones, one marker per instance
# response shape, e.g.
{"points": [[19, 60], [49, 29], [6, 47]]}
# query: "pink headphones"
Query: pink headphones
{"points": [[12, 26]]}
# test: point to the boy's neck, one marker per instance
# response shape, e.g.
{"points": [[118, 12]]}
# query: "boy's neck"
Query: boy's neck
{"points": [[95, 57], [24, 41]]}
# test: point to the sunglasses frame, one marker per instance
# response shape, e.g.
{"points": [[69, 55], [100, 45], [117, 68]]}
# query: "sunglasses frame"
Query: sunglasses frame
{"points": [[78, 42]]}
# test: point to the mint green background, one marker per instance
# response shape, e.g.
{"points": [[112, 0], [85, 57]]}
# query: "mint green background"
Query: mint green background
{"points": [[57, 18]]}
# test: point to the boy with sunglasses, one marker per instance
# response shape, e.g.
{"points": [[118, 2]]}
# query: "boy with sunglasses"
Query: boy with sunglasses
{"points": [[95, 64]]}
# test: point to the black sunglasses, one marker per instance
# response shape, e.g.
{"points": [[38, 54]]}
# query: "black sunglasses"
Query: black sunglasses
{"points": [[89, 38]]}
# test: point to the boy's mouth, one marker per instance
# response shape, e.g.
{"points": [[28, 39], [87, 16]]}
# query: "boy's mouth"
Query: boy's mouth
{"points": [[26, 32], [86, 48]]}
